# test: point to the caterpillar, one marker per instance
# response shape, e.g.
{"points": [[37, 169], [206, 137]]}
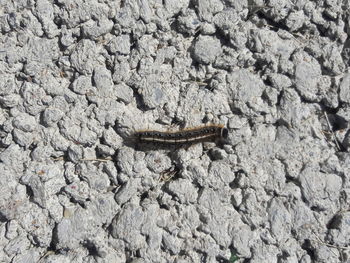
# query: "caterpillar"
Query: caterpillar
{"points": [[192, 135]]}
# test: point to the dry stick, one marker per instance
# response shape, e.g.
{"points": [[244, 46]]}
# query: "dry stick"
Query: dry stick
{"points": [[50, 252], [330, 128], [327, 244], [60, 158], [319, 240], [86, 159], [200, 83], [97, 159]]}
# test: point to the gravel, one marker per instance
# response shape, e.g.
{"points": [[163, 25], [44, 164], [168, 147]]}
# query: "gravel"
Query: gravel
{"points": [[78, 78]]}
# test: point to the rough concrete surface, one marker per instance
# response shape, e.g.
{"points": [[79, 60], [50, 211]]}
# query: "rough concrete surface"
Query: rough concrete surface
{"points": [[77, 78]]}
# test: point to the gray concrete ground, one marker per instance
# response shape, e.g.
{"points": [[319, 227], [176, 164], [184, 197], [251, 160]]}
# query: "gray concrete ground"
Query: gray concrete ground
{"points": [[78, 77]]}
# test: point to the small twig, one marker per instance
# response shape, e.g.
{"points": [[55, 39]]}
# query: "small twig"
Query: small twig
{"points": [[48, 253], [60, 158], [319, 240], [327, 244], [200, 83], [331, 130], [96, 159]]}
